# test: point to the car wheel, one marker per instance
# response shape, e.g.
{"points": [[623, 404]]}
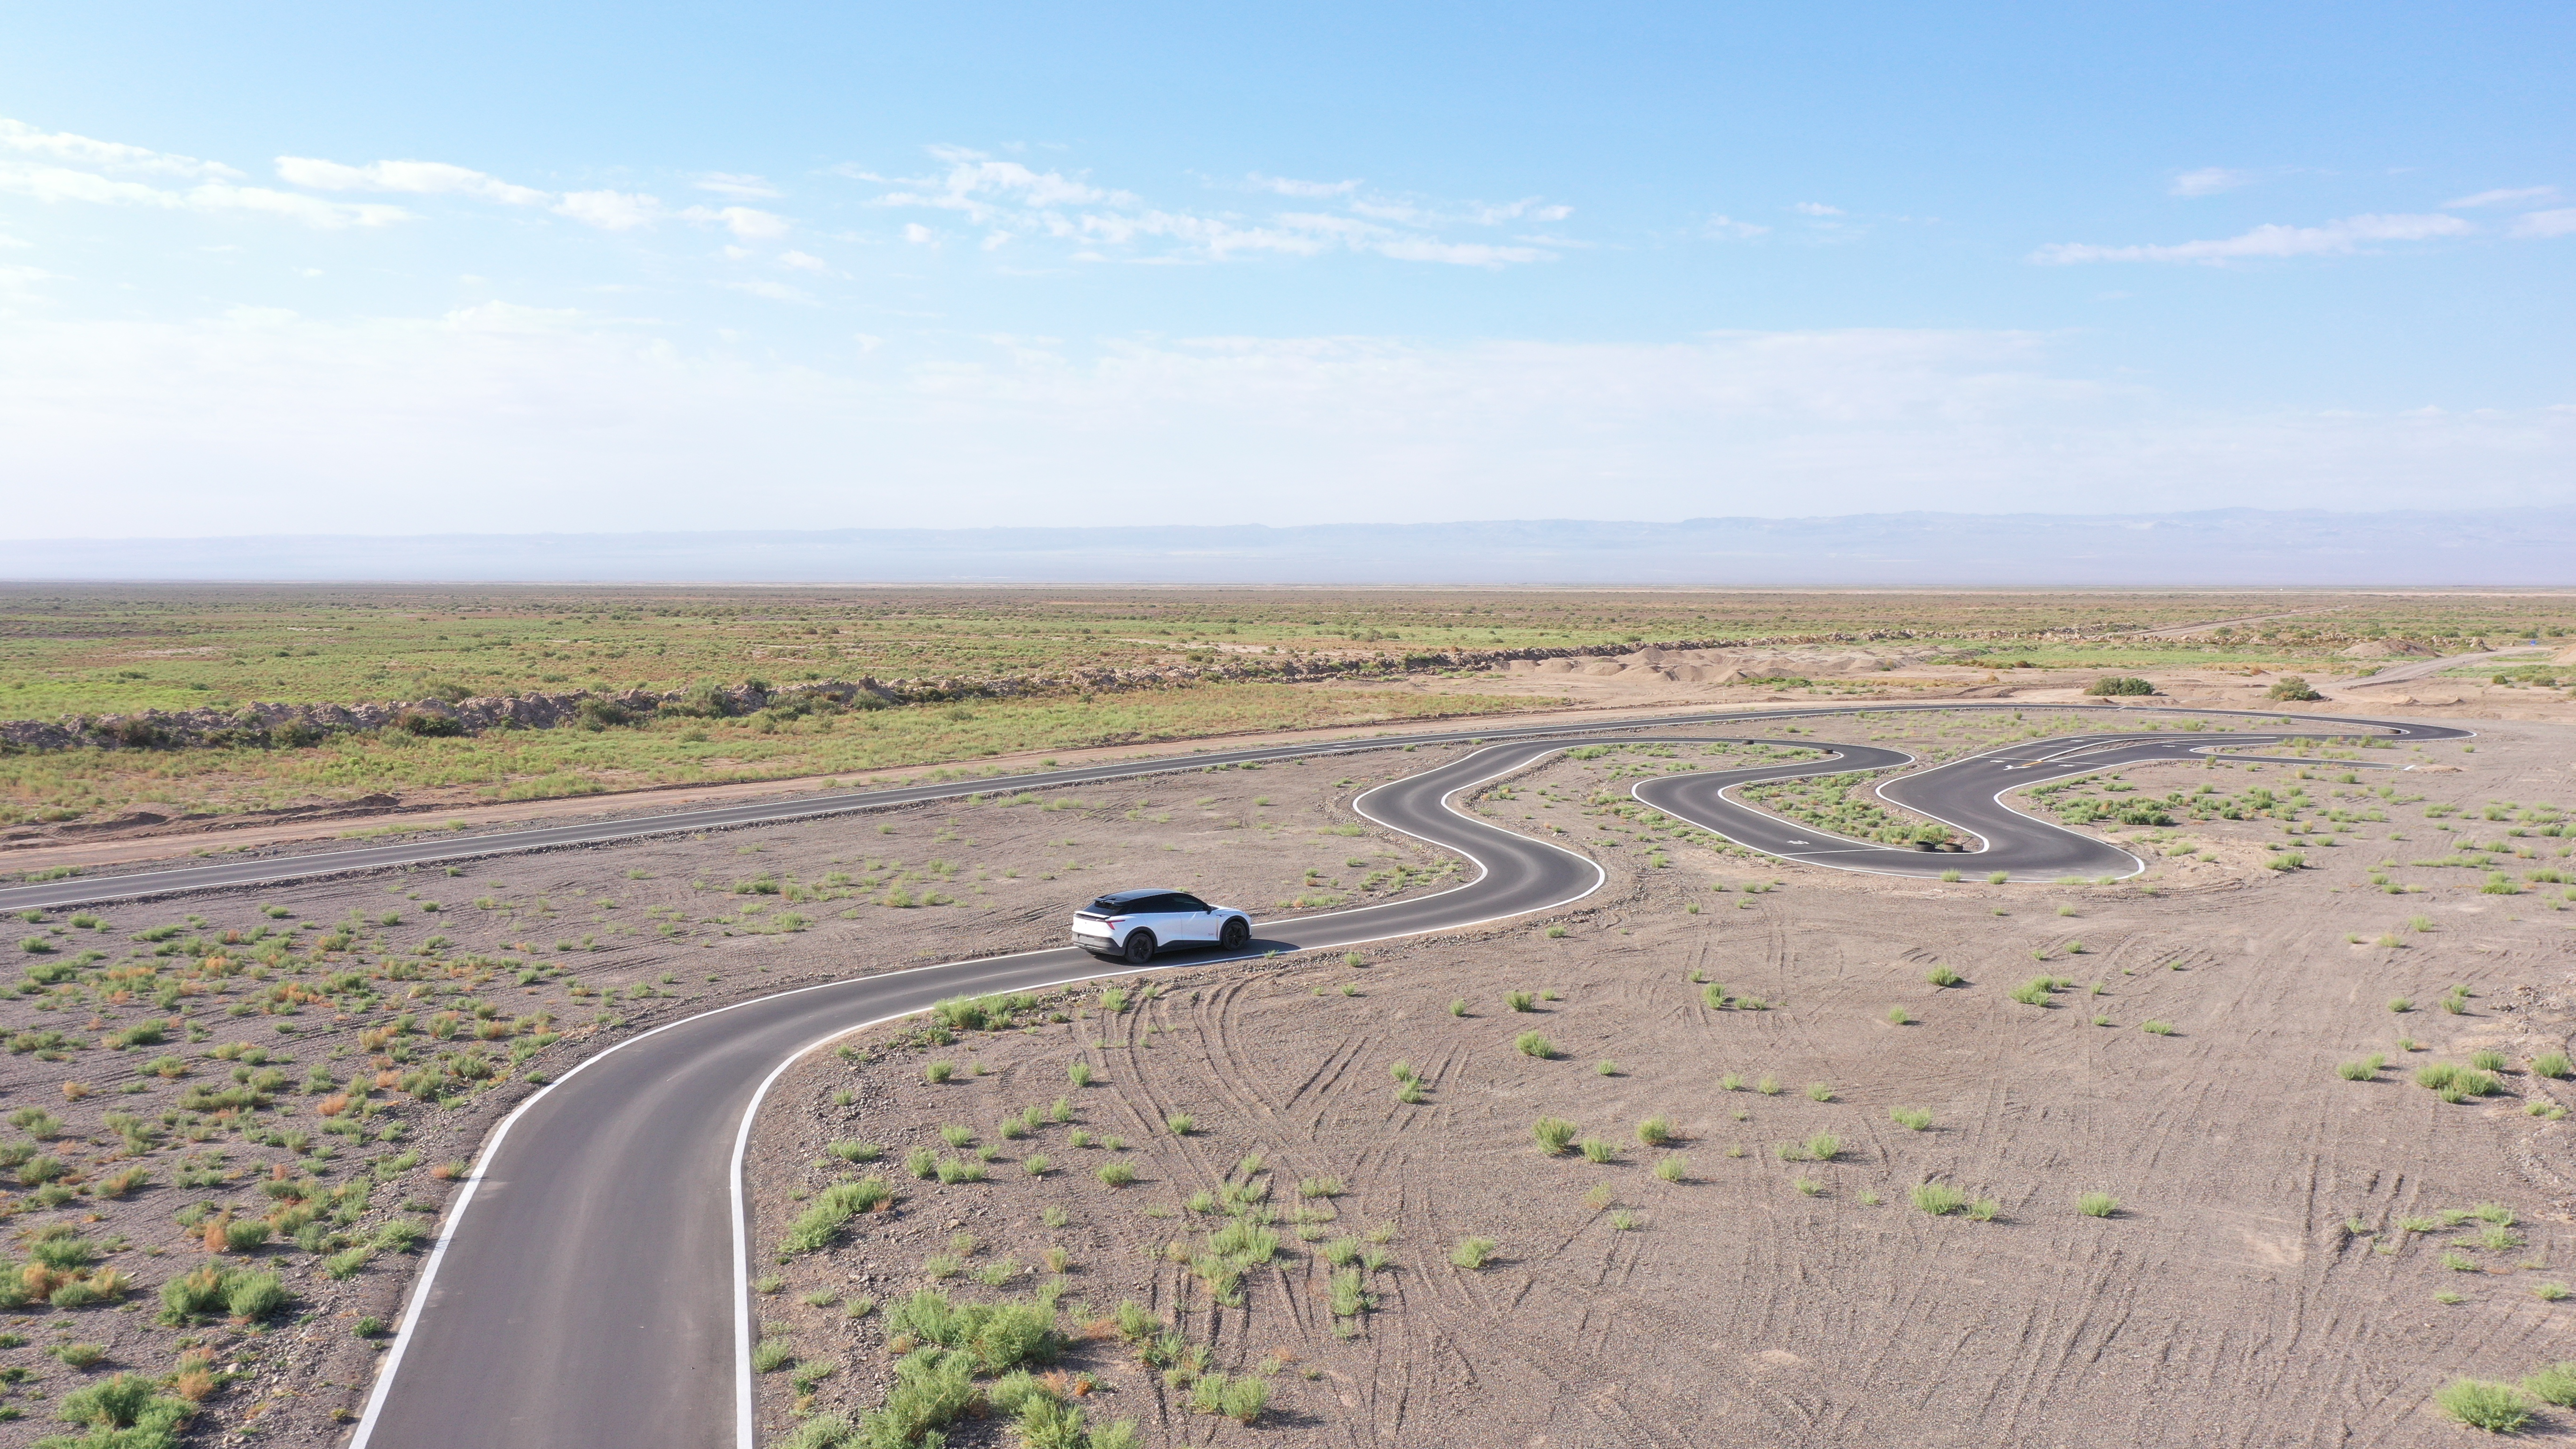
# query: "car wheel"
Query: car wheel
{"points": [[1140, 947], [1236, 935]]}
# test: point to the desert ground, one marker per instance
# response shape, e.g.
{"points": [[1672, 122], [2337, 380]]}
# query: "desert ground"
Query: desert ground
{"points": [[141, 721], [298, 1075], [313, 1065], [2294, 1257]]}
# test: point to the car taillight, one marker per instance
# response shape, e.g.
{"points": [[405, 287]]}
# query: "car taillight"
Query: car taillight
{"points": [[1116, 921]]}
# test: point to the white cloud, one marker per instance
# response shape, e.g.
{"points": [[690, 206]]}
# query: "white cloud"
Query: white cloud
{"points": [[979, 186], [1310, 190], [1009, 202], [774, 291], [425, 178], [917, 234], [1815, 208], [1463, 254], [743, 221], [18, 280], [7, 240], [511, 318], [2349, 234], [262, 413], [59, 183], [736, 185], [1527, 206], [2558, 222], [107, 155], [2505, 197], [610, 210], [2209, 181], [1727, 228], [806, 262]]}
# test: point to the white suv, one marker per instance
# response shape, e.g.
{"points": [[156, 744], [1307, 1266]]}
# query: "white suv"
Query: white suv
{"points": [[1131, 925]]}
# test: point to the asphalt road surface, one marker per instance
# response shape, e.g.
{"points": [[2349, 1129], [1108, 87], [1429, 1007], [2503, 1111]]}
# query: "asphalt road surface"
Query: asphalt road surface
{"points": [[596, 1292], [1965, 794]]}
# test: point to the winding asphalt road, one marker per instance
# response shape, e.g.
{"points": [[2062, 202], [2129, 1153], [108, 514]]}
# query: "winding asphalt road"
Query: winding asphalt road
{"points": [[596, 1291], [1967, 795]]}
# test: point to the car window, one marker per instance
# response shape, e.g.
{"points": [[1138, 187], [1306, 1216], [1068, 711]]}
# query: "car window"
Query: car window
{"points": [[1185, 903], [1148, 906]]}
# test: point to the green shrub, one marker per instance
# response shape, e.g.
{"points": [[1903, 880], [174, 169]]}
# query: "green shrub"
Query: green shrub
{"points": [[125, 1412], [255, 1297], [2496, 1408], [2119, 684], [1472, 1252], [819, 1224], [2555, 1384], [1938, 1198], [994, 1337], [1553, 1133]]}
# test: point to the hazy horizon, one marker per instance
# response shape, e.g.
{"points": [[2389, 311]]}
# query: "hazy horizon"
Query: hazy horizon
{"points": [[2530, 547]]}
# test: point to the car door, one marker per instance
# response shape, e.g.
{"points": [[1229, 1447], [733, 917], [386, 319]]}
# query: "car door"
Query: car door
{"points": [[1191, 919], [1158, 915]]}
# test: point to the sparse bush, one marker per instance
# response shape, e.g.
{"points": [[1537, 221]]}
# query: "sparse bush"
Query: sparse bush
{"points": [[1938, 1198], [1472, 1252], [1912, 1119], [2496, 1408], [819, 1224], [2119, 684], [2097, 1205], [1553, 1134], [2555, 1384], [1531, 1044]]}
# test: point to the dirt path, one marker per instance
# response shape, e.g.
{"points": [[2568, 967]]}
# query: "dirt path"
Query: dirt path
{"points": [[161, 842]]}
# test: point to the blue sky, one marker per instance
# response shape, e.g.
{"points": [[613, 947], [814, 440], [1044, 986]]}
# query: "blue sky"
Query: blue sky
{"points": [[309, 269]]}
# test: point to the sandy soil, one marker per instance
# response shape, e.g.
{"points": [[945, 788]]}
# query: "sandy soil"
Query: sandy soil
{"points": [[1650, 681], [1735, 677], [343, 993], [2290, 1262], [109, 847]]}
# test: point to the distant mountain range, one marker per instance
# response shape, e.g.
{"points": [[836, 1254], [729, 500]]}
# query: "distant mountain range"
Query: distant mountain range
{"points": [[2237, 546]]}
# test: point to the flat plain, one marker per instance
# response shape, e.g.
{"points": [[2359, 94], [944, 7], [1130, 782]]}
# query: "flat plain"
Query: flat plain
{"points": [[288, 1082], [1803, 1192], [982, 676]]}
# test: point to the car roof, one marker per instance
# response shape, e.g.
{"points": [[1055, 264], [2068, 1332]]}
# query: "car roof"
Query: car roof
{"points": [[1123, 896]]}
